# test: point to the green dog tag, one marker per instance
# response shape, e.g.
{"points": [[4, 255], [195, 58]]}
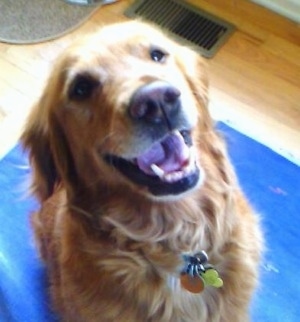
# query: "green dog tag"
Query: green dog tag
{"points": [[211, 278], [197, 273]]}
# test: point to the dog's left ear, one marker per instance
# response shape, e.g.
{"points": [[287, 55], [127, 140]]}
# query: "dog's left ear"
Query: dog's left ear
{"points": [[194, 68]]}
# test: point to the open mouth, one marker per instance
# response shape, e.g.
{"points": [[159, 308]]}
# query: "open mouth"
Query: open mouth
{"points": [[168, 167]]}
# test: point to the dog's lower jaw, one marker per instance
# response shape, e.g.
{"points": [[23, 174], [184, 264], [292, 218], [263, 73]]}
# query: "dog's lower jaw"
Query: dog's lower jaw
{"points": [[153, 184], [171, 197], [166, 168]]}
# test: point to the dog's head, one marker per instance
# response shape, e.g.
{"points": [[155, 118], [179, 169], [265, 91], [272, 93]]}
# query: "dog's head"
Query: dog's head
{"points": [[122, 108]]}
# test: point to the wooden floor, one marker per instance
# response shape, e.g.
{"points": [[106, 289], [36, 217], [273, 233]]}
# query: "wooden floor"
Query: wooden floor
{"points": [[255, 77]]}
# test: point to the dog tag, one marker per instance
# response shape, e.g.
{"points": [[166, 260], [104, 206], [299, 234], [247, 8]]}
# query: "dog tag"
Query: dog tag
{"points": [[211, 277], [197, 273], [193, 284]]}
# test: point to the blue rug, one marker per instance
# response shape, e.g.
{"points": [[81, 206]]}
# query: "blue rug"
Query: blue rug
{"points": [[271, 183]]}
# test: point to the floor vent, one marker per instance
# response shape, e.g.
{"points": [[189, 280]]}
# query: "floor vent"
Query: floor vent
{"points": [[190, 24]]}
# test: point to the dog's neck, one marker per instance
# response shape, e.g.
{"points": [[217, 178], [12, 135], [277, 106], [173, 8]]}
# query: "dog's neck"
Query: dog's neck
{"points": [[182, 225]]}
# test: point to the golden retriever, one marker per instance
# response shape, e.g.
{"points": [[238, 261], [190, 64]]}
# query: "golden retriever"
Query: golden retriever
{"points": [[136, 187]]}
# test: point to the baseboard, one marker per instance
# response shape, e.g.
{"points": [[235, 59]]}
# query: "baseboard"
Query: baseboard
{"points": [[287, 8]]}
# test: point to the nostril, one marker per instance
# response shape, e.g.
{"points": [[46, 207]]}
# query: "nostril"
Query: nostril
{"points": [[171, 94], [137, 110], [153, 111], [147, 109]]}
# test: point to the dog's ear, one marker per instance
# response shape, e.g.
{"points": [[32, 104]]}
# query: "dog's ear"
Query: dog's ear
{"points": [[45, 141], [194, 69], [36, 140]]}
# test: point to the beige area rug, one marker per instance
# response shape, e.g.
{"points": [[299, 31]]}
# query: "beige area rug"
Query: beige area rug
{"points": [[32, 21]]}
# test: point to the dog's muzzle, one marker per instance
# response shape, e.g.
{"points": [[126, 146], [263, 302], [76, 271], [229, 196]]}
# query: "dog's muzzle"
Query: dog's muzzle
{"points": [[168, 166]]}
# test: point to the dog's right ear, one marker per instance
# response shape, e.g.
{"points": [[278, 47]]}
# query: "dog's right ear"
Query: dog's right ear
{"points": [[36, 137], [36, 141], [45, 139]]}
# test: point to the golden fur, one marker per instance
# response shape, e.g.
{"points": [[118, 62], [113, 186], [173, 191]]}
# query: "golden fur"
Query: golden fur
{"points": [[113, 251]]}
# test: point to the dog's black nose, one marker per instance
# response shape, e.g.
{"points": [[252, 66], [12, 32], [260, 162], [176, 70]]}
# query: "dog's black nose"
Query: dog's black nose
{"points": [[155, 103]]}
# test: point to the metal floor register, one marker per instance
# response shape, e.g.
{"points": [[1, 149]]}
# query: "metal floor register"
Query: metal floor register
{"points": [[190, 25]]}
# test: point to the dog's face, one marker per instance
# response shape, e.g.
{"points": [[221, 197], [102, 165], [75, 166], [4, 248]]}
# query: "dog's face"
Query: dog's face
{"points": [[125, 106]]}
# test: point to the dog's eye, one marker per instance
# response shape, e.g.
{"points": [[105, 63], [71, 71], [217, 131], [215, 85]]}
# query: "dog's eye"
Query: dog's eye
{"points": [[157, 55], [82, 87]]}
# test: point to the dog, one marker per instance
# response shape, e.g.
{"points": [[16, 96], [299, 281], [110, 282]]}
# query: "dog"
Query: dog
{"points": [[138, 197]]}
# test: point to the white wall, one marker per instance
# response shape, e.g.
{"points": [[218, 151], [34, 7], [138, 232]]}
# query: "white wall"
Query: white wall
{"points": [[288, 8]]}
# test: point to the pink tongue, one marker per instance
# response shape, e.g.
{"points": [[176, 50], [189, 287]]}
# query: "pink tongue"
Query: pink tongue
{"points": [[170, 155]]}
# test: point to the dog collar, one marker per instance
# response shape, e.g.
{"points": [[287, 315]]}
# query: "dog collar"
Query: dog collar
{"points": [[197, 273]]}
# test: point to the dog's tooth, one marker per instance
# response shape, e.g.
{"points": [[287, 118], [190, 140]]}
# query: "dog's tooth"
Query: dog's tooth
{"points": [[192, 155], [174, 176], [176, 132], [192, 152], [157, 170]]}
